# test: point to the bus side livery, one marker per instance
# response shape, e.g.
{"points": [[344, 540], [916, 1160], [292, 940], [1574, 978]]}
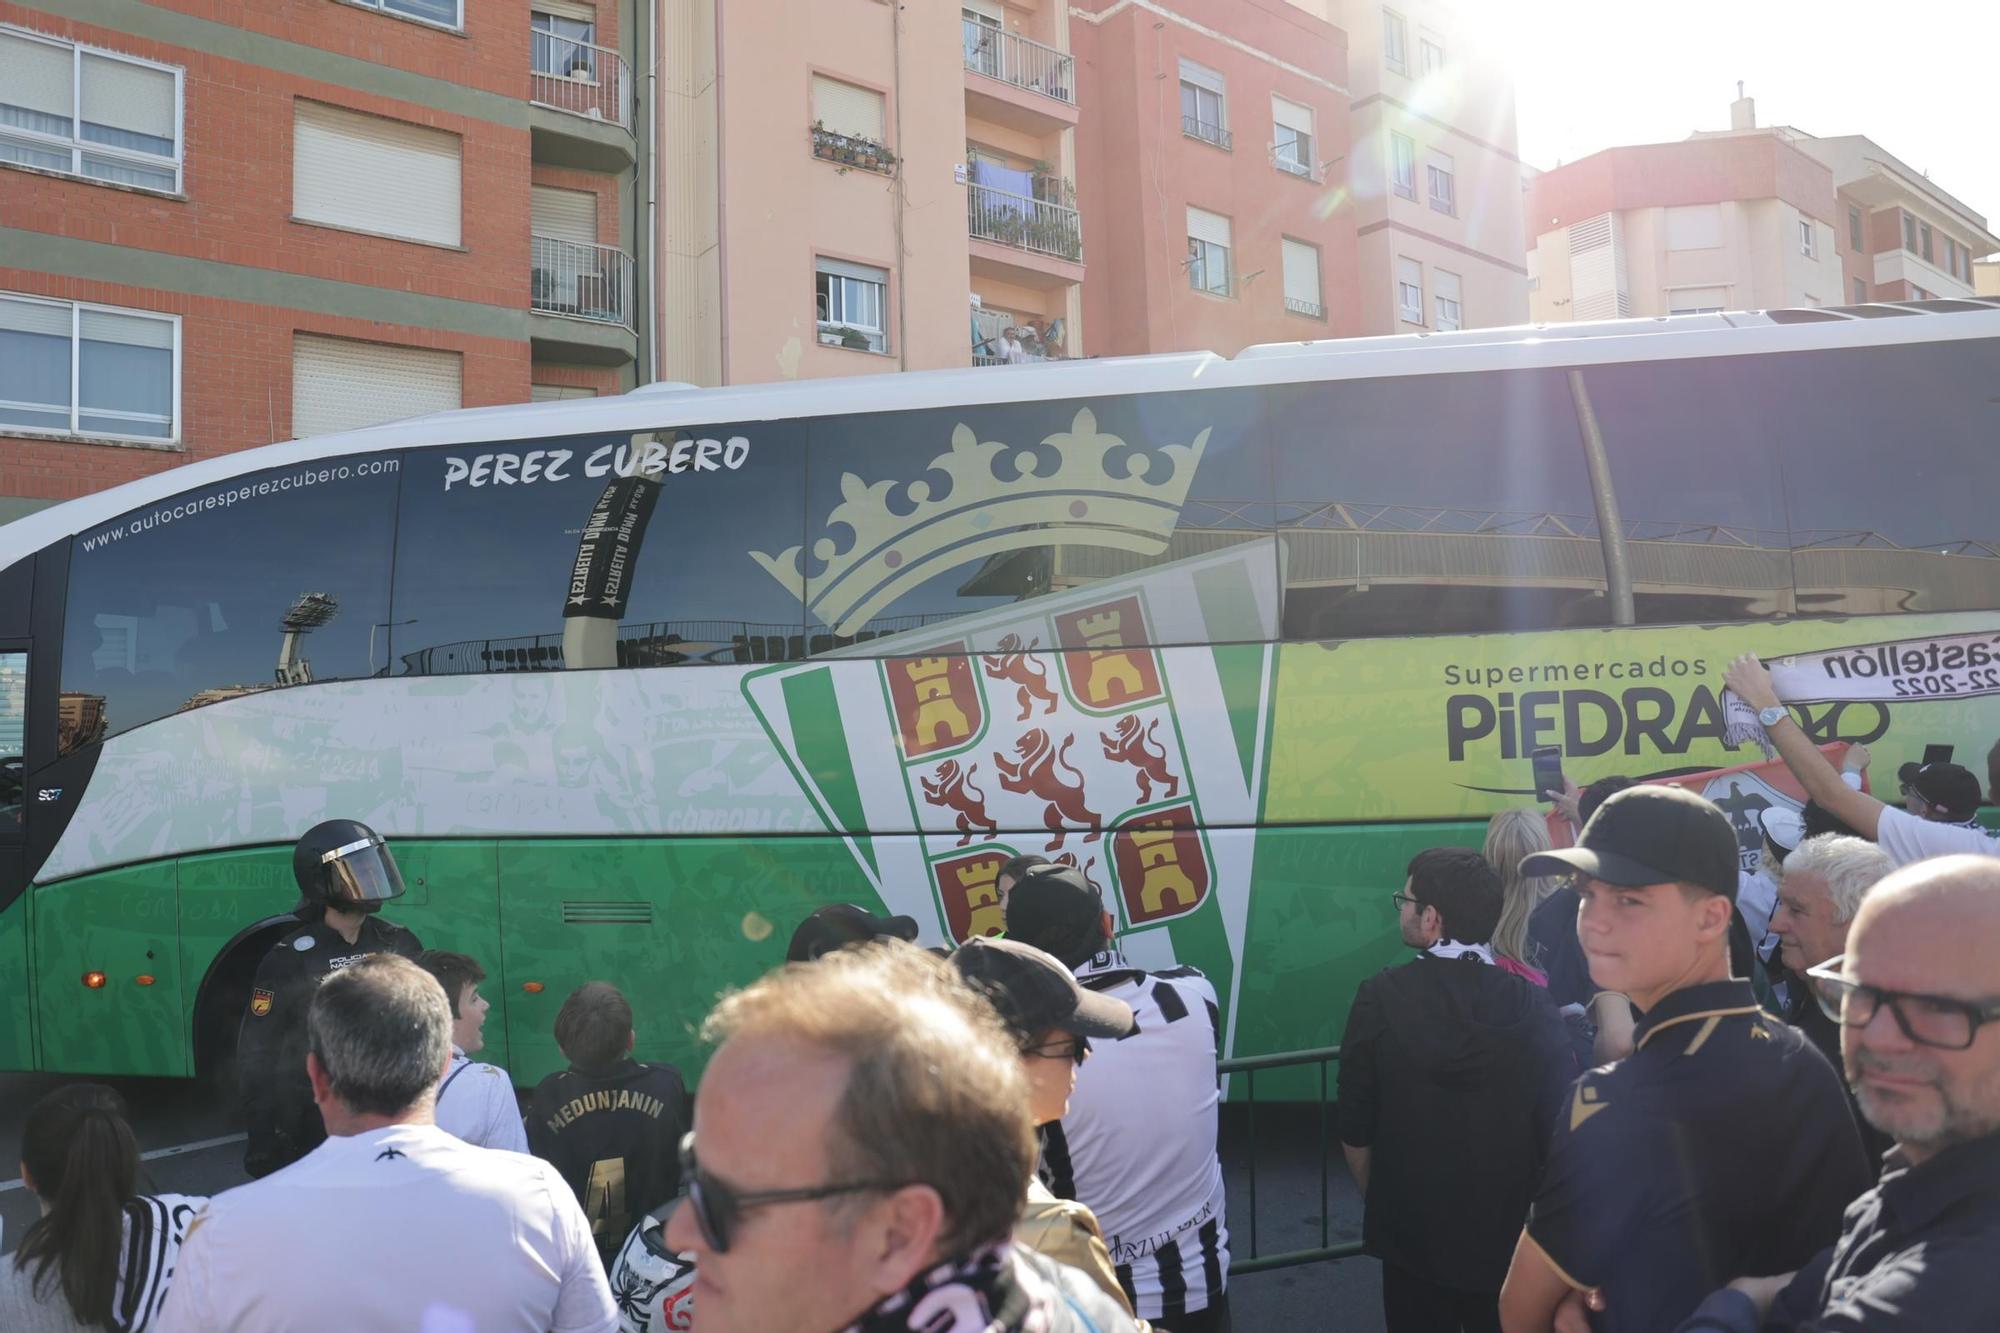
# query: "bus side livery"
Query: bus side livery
{"points": [[635, 684]]}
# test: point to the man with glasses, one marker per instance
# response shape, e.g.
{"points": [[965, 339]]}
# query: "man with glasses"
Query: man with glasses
{"points": [[1917, 997], [861, 1149], [1723, 1146], [1451, 1074]]}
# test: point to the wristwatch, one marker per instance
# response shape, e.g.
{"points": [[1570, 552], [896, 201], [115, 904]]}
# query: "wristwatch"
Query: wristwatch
{"points": [[1772, 716]]}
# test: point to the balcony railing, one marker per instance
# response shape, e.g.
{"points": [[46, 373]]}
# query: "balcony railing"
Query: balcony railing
{"points": [[1194, 127], [582, 281], [581, 78], [1023, 62], [1310, 309], [1024, 223]]}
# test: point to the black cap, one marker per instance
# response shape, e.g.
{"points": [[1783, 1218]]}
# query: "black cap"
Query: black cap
{"points": [[1949, 787], [1054, 907], [1034, 991], [840, 925], [1651, 835]]}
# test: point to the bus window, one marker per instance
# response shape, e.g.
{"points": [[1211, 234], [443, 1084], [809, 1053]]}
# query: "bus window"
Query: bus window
{"points": [[1890, 470], [272, 579], [1435, 504], [1162, 502], [626, 550], [1691, 446], [13, 735]]}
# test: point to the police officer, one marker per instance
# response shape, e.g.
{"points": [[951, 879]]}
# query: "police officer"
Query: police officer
{"points": [[345, 874]]}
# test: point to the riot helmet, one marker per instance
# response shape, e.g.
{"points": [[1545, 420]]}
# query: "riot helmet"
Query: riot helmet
{"points": [[344, 864]]}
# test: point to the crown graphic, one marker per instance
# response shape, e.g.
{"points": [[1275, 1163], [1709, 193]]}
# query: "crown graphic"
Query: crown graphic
{"points": [[1100, 491]]}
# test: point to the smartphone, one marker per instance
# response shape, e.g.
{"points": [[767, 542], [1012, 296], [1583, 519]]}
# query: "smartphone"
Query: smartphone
{"points": [[1549, 782], [1937, 754]]}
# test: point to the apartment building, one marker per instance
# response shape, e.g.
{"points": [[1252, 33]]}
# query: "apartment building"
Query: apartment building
{"points": [[228, 223], [1744, 219]]}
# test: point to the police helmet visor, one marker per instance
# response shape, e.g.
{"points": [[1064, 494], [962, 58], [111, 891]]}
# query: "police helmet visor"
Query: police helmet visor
{"points": [[362, 872]]}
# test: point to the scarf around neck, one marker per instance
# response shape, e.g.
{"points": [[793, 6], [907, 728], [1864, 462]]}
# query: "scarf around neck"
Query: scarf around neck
{"points": [[1453, 949], [987, 1291]]}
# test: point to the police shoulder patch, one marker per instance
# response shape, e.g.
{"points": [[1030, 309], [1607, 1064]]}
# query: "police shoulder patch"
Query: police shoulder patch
{"points": [[303, 943], [260, 1002]]}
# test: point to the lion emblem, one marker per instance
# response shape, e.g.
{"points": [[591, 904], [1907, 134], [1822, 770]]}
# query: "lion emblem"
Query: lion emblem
{"points": [[1127, 744], [1038, 772], [1012, 663], [951, 787]]}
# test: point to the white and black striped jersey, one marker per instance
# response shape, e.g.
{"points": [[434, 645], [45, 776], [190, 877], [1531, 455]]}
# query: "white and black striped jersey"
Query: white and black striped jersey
{"points": [[154, 1227], [1138, 1147]]}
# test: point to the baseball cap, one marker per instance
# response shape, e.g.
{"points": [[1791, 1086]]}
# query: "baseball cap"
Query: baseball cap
{"points": [[841, 924], [1054, 907], [1784, 829], [1651, 835], [1034, 991], [1949, 787]]}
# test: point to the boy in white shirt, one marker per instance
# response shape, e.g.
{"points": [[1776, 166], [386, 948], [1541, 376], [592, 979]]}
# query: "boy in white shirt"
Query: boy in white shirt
{"points": [[474, 1101]]}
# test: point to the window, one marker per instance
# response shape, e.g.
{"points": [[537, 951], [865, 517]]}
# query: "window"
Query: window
{"points": [[1444, 186], [1302, 290], [1410, 290], [1951, 256], [556, 393], [1430, 55], [1449, 313], [13, 742], [371, 174], [1696, 300], [1395, 41], [1204, 107], [341, 384], [1924, 241], [561, 40], [271, 579], [940, 538], [1208, 251], [983, 31], [446, 13], [1860, 291], [853, 304], [75, 369], [1909, 233], [1854, 241], [1403, 165], [842, 108], [1292, 148], [1694, 227], [607, 550], [89, 113], [1806, 244]]}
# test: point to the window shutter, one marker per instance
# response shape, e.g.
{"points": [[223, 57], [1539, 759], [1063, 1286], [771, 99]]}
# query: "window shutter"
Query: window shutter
{"points": [[36, 75], [373, 174], [1301, 272], [553, 393], [1203, 225], [846, 109], [565, 215], [1445, 284], [126, 96], [102, 326], [338, 384], [1201, 76], [1291, 115], [34, 317], [565, 9], [859, 272]]}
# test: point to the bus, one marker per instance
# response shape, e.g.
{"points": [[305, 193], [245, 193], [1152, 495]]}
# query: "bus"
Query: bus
{"points": [[633, 684]]}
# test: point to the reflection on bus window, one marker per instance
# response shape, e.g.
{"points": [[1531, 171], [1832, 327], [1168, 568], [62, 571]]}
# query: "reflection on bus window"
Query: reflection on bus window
{"points": [[13, 738], [917, 518], [273, 579], [629, 550]]}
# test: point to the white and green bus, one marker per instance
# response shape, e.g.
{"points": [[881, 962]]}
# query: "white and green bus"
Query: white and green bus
{"points": [[634, 683]]}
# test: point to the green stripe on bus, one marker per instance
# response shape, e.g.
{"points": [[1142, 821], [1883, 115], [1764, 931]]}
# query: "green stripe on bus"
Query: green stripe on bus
{"points": [[821, 740]]}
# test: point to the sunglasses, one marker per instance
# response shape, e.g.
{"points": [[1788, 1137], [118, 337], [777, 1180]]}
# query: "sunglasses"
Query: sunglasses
{"points": [[718, 1208], [1069, 1048], [1928, 1020]]}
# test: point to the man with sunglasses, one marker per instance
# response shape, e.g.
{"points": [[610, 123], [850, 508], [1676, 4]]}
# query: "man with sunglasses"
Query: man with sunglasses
{"points": [[861, 1149], [1451, 1074], [1917, 998], [1723, 1146]]}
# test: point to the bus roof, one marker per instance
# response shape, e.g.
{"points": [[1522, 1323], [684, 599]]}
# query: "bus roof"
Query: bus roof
{"points": [[666, 406]]}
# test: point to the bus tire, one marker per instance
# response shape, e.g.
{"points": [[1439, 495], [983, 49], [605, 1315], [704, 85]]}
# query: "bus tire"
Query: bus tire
{"points": [[222, 1001]]}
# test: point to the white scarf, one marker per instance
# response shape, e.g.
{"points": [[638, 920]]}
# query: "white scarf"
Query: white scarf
{"points": [[1453, 949]]}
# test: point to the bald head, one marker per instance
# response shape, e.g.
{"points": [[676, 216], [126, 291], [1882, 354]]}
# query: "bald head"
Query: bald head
{"points": [[1930, 929]]}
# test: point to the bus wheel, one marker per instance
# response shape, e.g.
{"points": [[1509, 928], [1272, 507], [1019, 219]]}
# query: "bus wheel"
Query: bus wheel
{"points": [[219, 1009]]}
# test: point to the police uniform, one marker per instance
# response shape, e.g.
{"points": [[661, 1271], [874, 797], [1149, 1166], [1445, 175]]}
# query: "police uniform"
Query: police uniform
{"points": [[1722, 1147], [615, 1136], [280, 1118]]}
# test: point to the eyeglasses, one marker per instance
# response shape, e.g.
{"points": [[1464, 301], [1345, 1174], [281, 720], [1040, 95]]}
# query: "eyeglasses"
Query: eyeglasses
{"points": [[1928, 1020], [1400, 898], [1069, 1048], [718, 1208]]}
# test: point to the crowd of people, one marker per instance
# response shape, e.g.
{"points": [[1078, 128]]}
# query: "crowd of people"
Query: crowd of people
{"points": [[1624, 1085]]}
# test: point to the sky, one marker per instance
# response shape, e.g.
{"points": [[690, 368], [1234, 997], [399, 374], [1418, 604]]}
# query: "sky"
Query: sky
{"points": [[1917, 79]]}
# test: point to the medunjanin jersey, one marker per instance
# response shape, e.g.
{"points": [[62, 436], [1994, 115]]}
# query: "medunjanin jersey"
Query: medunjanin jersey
{"points": [[1138, 1147]]}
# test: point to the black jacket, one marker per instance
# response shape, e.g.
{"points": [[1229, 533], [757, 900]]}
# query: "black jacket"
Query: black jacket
{"points": [[616, 1137], [281, 1122], [1452, 1072]]}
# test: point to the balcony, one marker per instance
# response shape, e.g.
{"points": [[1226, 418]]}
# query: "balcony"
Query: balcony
{"points": [[1196, 128], [582, 97], [1017, 82], [1022, 223], [1300, 306], [582, 281]]}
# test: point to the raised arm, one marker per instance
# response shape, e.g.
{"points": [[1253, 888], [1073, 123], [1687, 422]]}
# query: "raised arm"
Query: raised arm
{"points": [[1860, 811]]}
